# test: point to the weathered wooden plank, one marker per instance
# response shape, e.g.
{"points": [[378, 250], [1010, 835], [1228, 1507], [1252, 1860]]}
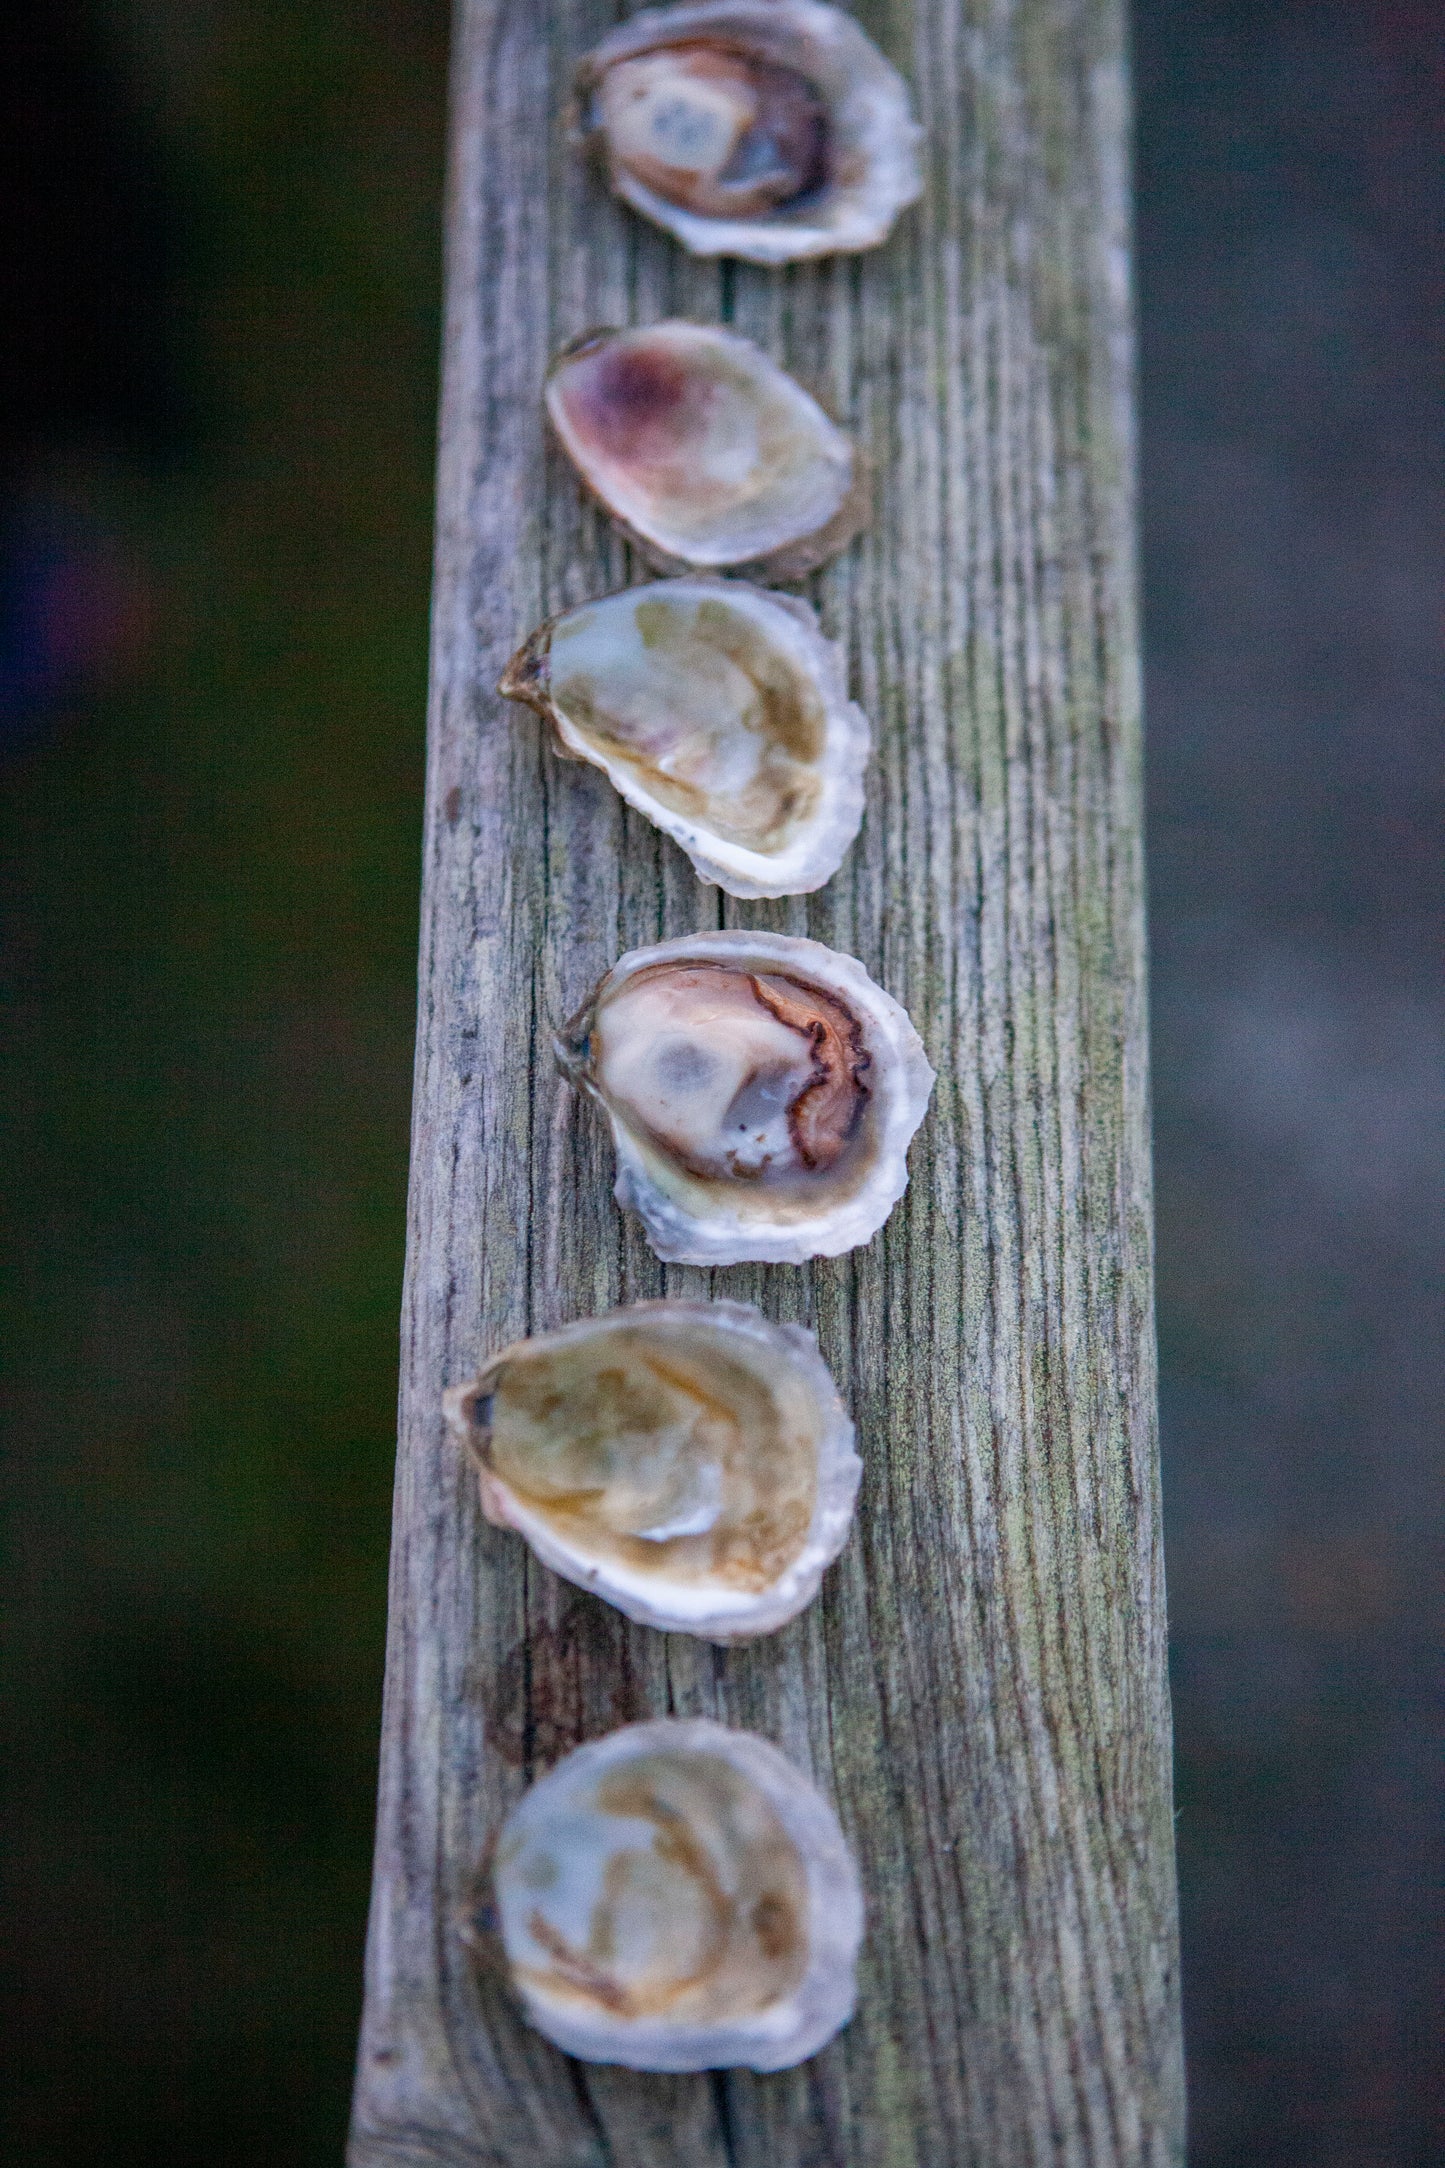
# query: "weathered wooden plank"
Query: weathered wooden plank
{"points": [[981, 1686]]}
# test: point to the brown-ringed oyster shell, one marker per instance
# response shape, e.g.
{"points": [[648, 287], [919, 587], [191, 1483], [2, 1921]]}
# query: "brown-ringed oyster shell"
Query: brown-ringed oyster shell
{"points": [[721, 713], [762, 1093], [765, 129], [677, 1896], [704, 451], [688, 1461]]}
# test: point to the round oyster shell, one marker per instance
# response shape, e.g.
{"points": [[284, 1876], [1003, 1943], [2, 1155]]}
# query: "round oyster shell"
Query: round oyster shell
{"points": [[721, 713], [688, 1461], [762, 1093], [766, 129], [677, 1896], [704, 451]]}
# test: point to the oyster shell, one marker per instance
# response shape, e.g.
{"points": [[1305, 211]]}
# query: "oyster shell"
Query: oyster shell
{"points": [[762, 1093], [677, 1896], [688, 1461], [721, 713], [766, 129], [704, 451]]}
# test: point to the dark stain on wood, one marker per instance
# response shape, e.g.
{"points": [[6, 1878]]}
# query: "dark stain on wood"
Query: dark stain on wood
{"points": [[564, 1684]]}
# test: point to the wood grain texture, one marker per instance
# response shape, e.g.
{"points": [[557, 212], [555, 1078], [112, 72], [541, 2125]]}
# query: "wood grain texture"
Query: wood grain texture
{"points": [[981, 1686]]}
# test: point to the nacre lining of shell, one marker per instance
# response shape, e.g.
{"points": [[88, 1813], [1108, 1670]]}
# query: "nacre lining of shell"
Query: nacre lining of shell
{"points": [[718, 711], [677, 1896]]}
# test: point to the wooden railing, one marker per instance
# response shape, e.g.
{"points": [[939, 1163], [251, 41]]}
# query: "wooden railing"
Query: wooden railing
{"points": [[981, 1686]]}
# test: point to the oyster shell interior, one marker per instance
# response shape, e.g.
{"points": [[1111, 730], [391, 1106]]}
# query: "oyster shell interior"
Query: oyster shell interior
{"points": [[713, 127], [690, 1462], [704, 450], [720, 712], [678, 1897], [762, 1093], [766, 129], [746, 1076]]}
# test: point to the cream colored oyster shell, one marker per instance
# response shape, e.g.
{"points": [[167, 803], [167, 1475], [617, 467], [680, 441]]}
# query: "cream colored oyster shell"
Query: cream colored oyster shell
{"points": [[721, 713], [762, 1094], [764, 129], [704, 451], [688, 1461], [677, 1896]]}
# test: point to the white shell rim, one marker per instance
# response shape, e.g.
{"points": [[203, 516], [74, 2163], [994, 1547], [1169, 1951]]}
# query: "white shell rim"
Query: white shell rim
{"points": [[824, 1999], [711, 1615], [868, 104], [810, 861], [905, 1082]]}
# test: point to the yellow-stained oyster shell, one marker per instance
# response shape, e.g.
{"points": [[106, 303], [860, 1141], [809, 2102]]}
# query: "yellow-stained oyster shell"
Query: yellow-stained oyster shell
{"points": [[677, 1896], [688, 1461], [721, 713]]}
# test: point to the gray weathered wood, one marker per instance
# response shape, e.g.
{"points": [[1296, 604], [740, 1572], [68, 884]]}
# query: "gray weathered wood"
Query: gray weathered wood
{"points": [[981, 1686]]}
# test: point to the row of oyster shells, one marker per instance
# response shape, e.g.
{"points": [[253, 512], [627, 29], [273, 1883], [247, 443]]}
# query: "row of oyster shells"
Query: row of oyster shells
{"points": [[677, 1896], [716, 709], [769, 129]]}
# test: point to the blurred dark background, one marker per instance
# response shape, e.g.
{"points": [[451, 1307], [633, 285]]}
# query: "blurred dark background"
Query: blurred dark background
{"points": [[218, 332]]}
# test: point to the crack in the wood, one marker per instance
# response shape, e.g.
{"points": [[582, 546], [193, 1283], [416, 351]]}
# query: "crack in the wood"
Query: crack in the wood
{"points": [[591, 2114], [723, 2109]]}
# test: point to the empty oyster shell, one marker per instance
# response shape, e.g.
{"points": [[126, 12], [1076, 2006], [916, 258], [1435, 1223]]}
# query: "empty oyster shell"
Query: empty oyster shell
{"points": [[677, 1896], [767, 129], [704, 451], [688, 1461], [762, 1093], [721, 713]]}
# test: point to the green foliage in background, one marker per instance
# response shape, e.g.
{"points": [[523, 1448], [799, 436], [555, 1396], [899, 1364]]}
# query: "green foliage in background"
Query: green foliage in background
{"points": [[210, 887]]}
